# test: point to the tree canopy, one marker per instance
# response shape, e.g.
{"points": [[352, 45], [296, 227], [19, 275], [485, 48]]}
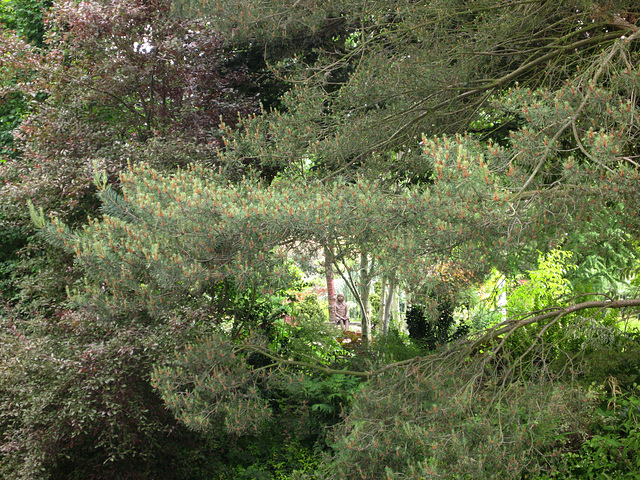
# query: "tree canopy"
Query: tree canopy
{"points": [[183, 162]]}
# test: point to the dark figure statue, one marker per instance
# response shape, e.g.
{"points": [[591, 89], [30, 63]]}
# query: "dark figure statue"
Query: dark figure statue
{"points": [[342, 313]]}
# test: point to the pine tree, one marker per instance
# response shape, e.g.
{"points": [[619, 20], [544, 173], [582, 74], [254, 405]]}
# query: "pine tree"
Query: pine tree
{"points": [[552, 108], [372, 77]]}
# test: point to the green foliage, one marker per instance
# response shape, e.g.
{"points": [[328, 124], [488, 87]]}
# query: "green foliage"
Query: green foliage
{"points": [[40, 278], [75, 401], [12, 240], [33, 274], [307, 335], [179, 263], [329, 396], [446, 424], [314, 402], [13, 109], [209, 387], [313, 339], [444, 59], [563, 129], [544, 286], [611, 450], [486, 304], [239, 310], [396, 346], [272, 460], [215, 385], [182, 233], [26, 18], [541, 289], [435, 326], [608, 353], [375, 300], [307, 309]]}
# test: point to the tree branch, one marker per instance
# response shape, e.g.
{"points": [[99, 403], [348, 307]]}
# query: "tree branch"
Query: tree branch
{"points": [[511, 325], [321, 368]]}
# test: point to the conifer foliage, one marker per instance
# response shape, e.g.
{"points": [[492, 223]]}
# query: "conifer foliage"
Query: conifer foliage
{"points": [[168, 238], [372, 77]]}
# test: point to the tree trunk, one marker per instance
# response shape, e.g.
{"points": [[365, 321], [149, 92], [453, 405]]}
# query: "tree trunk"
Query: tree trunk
{"points": [[331, 291], [360, 287], [383, 302], [366, 275], [389, 297], [395, 309]]}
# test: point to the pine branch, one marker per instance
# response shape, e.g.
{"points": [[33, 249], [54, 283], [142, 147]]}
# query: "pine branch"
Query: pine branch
{"points": [[485, 90], [115, 205], [54, 233], [543, 158], [278, 360]]}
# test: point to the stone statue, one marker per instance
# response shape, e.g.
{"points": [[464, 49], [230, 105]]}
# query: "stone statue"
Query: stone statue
{"points": [[342, 313]]}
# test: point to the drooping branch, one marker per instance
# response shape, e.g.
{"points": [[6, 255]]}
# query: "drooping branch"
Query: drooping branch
{"points": [[601, 69], [317, 367], [482, 91], [465, 345], [512, 325]]}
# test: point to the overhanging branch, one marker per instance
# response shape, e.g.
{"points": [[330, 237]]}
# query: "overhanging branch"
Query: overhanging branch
{"points": [[472, 343], [512, 325]]}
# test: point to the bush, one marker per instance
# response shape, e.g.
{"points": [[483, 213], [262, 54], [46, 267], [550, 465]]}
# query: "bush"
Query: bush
{"points": [[76, 403], [395, 347], [611, 451], [458, 421], [433, 326], [308, 335]]}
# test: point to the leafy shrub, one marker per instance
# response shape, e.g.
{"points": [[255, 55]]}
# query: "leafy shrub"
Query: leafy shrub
{"points": [[544, 286], [76, 402], [612, 451], [395, 347], [12, 239], [433, 327], [309, 309], [607, 353], [269, 457], [308, 335], [328, 396]]}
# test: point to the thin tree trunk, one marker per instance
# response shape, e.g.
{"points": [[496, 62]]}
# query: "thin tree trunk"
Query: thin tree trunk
{"points": [[366, 275], [331, 290], [395, 309], [360, 287], [383, 302], [407, 303], [387, 307]]}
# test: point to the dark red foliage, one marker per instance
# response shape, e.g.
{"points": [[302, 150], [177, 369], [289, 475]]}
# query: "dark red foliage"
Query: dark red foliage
{"points": [[147, 71], [125, 81]]}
